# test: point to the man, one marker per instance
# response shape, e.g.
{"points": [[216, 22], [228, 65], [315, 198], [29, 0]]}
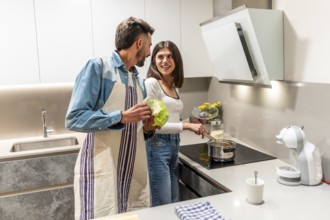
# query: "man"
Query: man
{"points": [[111, 169]]}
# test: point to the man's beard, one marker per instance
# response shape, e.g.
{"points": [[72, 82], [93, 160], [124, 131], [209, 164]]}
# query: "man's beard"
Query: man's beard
{"points": [[140, 58]]}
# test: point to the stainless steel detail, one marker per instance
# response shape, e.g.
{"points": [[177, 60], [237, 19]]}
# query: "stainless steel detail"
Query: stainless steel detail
{"points": [[255, 176], [193, 184], [222, 150], [44, 144], [46, 130], [246, 51]]}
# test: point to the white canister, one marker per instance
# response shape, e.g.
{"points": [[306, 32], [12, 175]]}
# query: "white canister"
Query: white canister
{"points": [[255, 190], [217, 129]]}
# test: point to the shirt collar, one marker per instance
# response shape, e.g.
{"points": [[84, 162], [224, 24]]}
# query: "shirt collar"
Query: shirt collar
{"points": [[118, 63]]}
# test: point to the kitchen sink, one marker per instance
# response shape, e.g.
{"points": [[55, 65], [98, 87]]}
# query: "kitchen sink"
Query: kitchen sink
{"points": [[44, 144]]}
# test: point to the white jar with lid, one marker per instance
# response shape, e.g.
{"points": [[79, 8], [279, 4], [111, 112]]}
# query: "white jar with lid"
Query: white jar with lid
{"points": [[217, 129]]}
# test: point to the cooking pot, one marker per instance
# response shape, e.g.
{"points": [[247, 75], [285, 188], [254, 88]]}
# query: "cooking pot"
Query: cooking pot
{"points": [[221, 150]]}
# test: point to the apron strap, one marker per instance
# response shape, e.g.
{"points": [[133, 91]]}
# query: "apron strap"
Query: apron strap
{"points": [[127, 153], [86, 180]]}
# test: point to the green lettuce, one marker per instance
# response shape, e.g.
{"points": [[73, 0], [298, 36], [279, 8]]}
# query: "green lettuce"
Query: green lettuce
{"points": [[159, 111]]}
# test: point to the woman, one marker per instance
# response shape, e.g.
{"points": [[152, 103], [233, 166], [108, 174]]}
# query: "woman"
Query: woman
{"points": [[165, 76]]}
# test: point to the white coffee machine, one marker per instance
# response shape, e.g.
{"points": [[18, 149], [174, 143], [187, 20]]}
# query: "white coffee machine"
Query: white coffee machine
{"points": [[305, 157]]}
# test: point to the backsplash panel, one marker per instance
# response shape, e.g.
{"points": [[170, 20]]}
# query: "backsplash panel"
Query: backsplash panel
{"points": [[255, 115], [21, 106]]}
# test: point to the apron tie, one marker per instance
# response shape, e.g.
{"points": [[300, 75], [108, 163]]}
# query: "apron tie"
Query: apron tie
{"points": [[127, 153]]}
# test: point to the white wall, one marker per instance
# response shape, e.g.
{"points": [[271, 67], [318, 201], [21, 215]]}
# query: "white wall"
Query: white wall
{"points": [[193, 93], [307, 44]]}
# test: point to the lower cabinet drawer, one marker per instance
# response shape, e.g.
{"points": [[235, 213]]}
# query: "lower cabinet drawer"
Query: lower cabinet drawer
{"points": [[186, 193], [197, 183], [49, 204]]}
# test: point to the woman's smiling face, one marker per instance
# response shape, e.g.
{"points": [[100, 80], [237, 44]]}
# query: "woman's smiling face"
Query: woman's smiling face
{"points": [[164, 62]]}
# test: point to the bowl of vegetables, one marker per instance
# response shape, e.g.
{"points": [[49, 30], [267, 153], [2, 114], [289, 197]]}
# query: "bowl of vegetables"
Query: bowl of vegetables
{"points": [[205, 111]]}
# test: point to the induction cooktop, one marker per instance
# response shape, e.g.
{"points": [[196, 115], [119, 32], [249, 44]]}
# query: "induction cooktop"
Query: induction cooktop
{"points": [[243, 155]]}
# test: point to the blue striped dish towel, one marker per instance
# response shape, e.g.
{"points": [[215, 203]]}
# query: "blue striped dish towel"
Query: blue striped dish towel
{"points": [[198, 211]]}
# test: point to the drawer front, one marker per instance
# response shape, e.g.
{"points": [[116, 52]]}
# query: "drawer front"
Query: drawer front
{"points": [[33, 173], [198, 183]]}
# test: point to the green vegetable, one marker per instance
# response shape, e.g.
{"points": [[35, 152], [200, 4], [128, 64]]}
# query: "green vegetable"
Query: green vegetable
{"points": [[159, 111]]}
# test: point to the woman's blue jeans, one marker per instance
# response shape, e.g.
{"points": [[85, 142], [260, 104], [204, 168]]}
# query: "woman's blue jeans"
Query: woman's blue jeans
{"points": [[163, 159]]}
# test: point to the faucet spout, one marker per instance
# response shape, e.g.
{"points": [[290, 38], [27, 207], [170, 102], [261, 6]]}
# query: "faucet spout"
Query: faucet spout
{"points": [[44, 124]]}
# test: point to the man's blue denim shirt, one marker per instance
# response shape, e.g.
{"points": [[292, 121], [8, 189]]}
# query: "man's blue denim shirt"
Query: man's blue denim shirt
{"points": [[92, 89]]}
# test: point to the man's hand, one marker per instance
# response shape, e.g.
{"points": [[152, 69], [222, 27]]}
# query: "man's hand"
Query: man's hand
{"points": [[137, 113]]}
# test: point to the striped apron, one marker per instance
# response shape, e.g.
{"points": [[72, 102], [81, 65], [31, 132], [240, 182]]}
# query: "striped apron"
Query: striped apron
{"points": [[111, 170]]}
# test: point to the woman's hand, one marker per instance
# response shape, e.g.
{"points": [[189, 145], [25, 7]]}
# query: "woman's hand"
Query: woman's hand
{"points": [[192, 119], [197, 128]]}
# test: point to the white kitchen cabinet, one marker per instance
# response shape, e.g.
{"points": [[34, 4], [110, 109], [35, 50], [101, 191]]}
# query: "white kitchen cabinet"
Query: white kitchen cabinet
{"points": [[195, 57], [106, 15], [18, 43], [64, 33], [49, 41], [164, 16], [173, 20]]}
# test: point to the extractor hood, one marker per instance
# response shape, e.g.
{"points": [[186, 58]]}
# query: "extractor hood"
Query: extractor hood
{"points": [[246, 46]]}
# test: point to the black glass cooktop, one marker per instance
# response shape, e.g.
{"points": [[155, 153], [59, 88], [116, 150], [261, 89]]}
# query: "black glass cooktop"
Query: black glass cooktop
{"points": [[243, 155]]}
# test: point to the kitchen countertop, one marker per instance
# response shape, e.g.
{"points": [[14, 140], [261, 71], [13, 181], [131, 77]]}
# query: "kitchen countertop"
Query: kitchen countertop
{"points": [[280, 201]]}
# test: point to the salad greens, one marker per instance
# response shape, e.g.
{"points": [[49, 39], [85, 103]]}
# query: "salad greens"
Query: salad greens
{"points": [[159, 111]]}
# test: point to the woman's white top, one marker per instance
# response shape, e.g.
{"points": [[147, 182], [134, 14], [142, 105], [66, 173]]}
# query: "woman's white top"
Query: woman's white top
{"points": [[174, 106]]}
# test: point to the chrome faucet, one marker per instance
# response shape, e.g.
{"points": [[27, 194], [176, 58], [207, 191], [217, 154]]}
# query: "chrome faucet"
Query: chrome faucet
{"points": [[44, 124]]}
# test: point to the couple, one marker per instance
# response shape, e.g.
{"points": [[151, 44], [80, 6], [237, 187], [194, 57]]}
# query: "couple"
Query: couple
{"points": [[113, 170]]}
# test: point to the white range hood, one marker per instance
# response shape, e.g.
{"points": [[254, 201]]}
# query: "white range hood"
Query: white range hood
{"points": [[246, 46]]}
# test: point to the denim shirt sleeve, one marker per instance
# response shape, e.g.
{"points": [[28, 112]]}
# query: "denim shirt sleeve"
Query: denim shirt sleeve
{"points": [[90, 92]]}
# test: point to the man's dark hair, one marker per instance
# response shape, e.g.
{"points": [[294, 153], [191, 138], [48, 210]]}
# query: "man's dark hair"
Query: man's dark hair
{"points": [[129, 30]]}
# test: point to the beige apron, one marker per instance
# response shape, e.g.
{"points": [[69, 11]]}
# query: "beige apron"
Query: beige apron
{"points": [[111, 169]]}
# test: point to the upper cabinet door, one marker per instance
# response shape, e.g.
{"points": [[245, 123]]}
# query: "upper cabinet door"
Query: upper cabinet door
{"points": [[195, 57], [106, 15], [164, 16], [18, 43], [64, 32]]}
